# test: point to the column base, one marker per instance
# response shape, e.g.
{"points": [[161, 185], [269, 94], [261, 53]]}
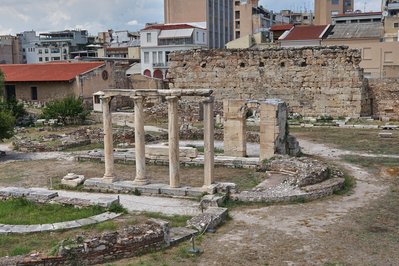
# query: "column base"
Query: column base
{"points": [[211, 189], [141, 182], [109, 179]]}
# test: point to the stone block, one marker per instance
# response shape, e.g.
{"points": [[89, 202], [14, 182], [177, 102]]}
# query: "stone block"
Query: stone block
{"points": [[181, 191], [163, 151], [212, 201], [210, 219], [72, 180]]}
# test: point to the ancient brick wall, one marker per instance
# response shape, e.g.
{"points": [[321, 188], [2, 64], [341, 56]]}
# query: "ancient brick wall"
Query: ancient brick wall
{"points": [[313, 81], [131, 241], [385, 98]]}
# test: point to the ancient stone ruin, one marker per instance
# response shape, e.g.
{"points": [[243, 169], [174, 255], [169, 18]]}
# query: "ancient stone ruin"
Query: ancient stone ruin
{"points": [[313, 81]]}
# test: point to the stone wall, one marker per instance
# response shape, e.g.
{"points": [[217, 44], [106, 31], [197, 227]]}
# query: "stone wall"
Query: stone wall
{"points": [[385, 98], [131, 241], [313, 81]]}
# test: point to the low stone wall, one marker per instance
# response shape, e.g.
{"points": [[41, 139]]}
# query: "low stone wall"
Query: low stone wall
{"points": [[385, 98], [126, 243]]}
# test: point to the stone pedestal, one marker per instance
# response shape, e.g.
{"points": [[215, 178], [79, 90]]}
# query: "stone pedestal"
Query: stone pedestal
{"points": [[209, 140], [109, 175], [139, 132], [174, 165], [235, 143]]}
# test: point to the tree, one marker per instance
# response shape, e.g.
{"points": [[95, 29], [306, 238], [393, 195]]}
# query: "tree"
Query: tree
{"points": [[68, 110], [1, 84], [7, 122]]}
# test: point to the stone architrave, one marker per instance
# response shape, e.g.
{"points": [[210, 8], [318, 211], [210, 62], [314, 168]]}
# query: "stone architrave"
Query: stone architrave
{"points": [[139, 132], [209, 142], [235, 128], [174, 164], [109, 175]]}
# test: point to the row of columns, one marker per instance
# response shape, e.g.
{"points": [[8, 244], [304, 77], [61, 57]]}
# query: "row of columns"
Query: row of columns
{"points": [[173, 131]]}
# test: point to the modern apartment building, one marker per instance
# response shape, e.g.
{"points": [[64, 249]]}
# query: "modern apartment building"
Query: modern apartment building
{"points": [[52, 46], [158, 41], [250, 18], [325, 9], [216, 14], [391, 20]]}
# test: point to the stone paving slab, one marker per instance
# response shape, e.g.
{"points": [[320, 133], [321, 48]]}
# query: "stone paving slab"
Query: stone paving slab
{"points": [[35, 228]]}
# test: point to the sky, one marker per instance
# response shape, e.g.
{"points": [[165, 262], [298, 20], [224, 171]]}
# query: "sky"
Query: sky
{"points": [[100, 15]]}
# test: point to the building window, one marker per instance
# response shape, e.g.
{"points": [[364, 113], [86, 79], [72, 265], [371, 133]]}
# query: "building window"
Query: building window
{"points": [[46, 59], [237, 15], [203, 36], [97, 99], [238, 35], [46, 51], [40, 59], [149, 37], [167, 56], [154, 57], [33, 91], [396, 25], [40, 51], [388, 57], [160, 56], [335, 2], [146, 57]]}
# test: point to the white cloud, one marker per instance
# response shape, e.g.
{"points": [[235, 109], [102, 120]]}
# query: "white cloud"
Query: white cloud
{"points": [[132, 23]]}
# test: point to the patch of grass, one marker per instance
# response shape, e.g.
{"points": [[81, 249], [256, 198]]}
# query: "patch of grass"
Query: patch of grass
{"points": [[106, 226], [361, 140], [117, 207], [20, 250], [371, 162], [174, 221], [248, 181], [22, 211], [349, 184], [91, 146]]}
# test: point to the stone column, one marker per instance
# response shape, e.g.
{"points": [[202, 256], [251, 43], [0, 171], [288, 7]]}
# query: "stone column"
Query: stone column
{"points": [[174, 164], [109, 175], [139, 136], [235, 143], [209, 142]]}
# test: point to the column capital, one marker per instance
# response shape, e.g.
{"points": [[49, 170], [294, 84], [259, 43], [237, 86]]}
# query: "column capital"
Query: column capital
{"points": [[171, 98], [106, 99], [137, 98], [209, 99]]}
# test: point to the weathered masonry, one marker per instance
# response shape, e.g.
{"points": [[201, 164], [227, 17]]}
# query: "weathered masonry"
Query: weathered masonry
{"points": [[312, 81]]}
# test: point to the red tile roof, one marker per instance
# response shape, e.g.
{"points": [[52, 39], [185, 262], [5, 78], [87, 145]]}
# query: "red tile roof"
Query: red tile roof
{"points": [[169, 27], [280, 27], [46, 71], [302, 32]]}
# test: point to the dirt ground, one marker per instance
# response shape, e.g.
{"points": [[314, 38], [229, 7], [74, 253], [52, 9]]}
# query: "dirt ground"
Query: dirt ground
{"points": [[361, 228]]}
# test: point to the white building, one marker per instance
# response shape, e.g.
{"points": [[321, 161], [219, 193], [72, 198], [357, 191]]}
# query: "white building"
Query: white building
{"points": [[158, 41], [53, 46]]}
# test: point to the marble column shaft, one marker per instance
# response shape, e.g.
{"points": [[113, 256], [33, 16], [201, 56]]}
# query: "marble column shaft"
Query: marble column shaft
{"points": [[174, 164], [108, 142], [209, 142], [139, 133]]}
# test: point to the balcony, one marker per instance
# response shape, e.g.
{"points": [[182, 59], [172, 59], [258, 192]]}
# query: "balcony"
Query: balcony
{"points": [[393, 6], [160, 65]]}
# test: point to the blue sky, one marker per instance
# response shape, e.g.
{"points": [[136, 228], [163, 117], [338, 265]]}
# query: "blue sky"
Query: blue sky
{"points": [[100, 15]]}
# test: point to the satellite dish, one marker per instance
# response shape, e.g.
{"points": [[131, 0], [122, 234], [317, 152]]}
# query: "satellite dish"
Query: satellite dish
{"points": [[385, 13]]}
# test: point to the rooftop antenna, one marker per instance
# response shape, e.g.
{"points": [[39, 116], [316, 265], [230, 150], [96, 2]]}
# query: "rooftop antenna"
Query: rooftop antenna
{"points": [[365, 5]]}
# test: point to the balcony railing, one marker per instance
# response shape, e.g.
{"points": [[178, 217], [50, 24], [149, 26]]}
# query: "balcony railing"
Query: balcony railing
{"points": [[160, 65]]}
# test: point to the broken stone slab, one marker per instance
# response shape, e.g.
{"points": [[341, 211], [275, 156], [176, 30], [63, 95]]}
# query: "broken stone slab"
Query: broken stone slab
{"points": [[212, 201], [105, 216], [14, 192], [105, 202], [72, 180], [385, 135], [181, 191], [225, 187], [97, 183], [42, 193], [210, 219], [180, 234]]}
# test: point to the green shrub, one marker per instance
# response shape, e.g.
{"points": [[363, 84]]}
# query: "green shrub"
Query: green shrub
{"points": [[69, 110], [7, 122]]}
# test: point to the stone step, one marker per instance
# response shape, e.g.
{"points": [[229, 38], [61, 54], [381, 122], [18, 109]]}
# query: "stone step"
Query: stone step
{"points": [[210, 219]]}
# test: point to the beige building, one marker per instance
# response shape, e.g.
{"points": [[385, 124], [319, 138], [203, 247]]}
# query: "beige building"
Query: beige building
{"points": [[379, 59], [53, 81], [325, 9], [217, 15], [249, 18]]}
